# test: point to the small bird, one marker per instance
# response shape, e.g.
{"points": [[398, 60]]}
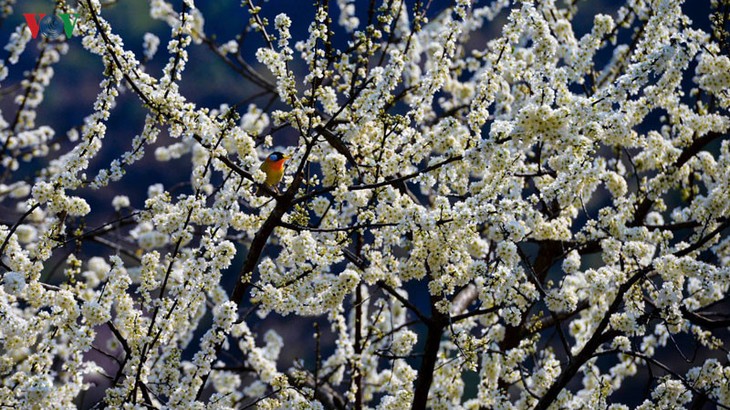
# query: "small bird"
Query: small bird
{"points": [[273, 166]]}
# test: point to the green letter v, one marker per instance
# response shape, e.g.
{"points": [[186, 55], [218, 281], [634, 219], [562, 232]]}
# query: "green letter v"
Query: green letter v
{"points": [[68, 25]]}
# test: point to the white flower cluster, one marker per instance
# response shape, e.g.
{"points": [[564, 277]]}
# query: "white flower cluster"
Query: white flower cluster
{"points": [[479, 223], [151, 42]]}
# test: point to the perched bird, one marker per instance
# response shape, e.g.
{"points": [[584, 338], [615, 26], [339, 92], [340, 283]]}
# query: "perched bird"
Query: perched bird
{"points": [[273, 166]]}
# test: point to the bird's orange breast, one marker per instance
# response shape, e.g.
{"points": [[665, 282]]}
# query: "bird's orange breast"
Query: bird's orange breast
{"points": [[274, 171]]}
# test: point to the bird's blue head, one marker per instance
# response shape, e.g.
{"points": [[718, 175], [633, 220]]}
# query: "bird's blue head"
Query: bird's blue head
{"points": [[276, 156]]}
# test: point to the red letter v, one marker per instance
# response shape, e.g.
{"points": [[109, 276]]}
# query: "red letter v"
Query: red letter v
{"points": [[33, 23]]}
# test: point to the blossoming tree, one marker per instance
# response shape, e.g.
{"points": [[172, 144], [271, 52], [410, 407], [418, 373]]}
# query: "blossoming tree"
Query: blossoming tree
{"points": [[535, 220]]}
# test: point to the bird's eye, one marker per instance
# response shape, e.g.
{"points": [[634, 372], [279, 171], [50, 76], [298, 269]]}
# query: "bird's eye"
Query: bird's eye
{"points": [[272, 157]]}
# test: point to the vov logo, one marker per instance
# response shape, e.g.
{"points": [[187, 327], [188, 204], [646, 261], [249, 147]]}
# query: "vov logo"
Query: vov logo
{"points": [[51, 26]]}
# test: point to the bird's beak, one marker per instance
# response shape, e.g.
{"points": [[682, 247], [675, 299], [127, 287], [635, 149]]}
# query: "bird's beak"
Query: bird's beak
{"points": [[285, 157]]}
